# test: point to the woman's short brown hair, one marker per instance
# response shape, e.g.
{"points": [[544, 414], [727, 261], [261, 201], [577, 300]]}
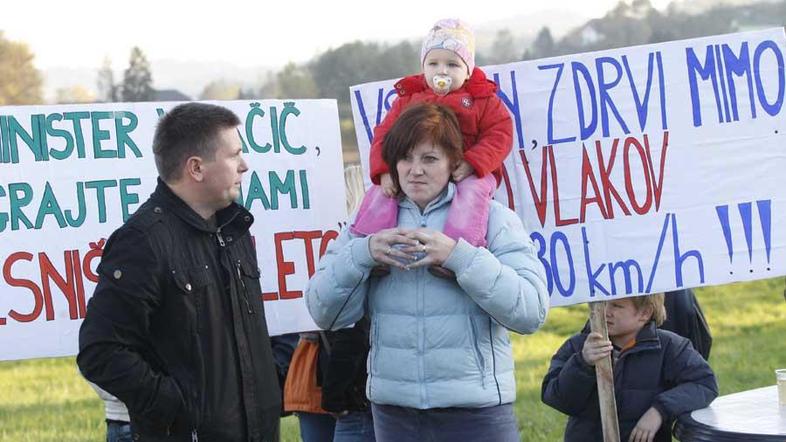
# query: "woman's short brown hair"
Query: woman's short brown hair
{"points": [[423, 122]]}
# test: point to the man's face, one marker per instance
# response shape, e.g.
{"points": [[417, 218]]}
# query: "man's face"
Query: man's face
{"points": [[623, 320], [223, 174]]}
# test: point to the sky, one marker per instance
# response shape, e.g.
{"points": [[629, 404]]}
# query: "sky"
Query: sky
{"points": [[81, 33]]}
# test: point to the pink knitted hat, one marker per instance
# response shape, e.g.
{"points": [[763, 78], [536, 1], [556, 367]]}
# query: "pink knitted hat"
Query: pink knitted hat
{"points": [[454, 35]]}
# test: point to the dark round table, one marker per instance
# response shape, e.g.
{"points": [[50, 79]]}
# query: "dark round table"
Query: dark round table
{"points": [[748, 416]]}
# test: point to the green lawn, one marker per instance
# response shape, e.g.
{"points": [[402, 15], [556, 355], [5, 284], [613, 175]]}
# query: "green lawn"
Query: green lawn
{"points": [[46, 399]]}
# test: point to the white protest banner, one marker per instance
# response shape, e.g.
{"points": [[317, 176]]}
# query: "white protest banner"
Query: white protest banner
{"points": [[642, 169], [70, 175]]}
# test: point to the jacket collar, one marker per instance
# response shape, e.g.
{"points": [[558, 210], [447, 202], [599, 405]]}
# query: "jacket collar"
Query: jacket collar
{"points": [[646, 338], [477, 85], [234, 218], [445, 197]]}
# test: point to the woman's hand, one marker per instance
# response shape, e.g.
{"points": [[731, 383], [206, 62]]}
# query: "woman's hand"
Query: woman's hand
{"points": [[595, 348], [647, 426], [389, 247], [432, 246], [389, 188]]}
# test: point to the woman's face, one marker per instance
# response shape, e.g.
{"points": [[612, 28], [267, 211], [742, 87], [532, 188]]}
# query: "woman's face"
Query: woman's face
{"points": [[423, 173]]}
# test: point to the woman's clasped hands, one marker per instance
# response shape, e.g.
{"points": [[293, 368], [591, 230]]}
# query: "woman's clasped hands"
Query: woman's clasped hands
{"points": [[410, 248]]}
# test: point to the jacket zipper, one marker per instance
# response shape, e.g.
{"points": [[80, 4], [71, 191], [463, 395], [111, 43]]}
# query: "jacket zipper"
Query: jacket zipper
{"points": [[194, 436], [222, 243], [245, 291]]}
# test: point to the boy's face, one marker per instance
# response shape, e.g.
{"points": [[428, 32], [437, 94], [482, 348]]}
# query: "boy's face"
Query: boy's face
{"points": [[624, 321], [447, 63]]}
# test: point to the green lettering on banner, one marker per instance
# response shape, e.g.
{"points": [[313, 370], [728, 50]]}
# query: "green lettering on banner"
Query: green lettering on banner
{"points": [[244, 146], [122, 131], [256, 111], [49, 206], [3, 216], [100, 135], [274, 129], [127, 198], [289, 108], [304, 189], [286, 187], [256, 192], [31, 140], [100, 187], [80, 201], [17, 202], [5, 154], [51, 130], [76, 119]]}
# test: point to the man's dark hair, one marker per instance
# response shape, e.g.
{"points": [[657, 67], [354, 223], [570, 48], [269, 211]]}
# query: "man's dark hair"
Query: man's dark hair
{"points": [[189, 129], [418, 123]]}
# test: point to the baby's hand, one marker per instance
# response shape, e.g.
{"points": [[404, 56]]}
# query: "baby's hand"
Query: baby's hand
{"points": [[389, 188], [463, 170]]}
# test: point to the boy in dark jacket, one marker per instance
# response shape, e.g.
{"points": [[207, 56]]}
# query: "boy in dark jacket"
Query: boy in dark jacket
{"points": [[657, 375]]}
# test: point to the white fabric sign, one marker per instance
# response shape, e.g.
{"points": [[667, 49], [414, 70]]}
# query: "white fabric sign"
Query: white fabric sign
{"points": [[70, 175], [642, 169]]}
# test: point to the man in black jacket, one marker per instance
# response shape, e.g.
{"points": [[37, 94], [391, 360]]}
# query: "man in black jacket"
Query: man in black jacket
{"points": [[176, 327]]}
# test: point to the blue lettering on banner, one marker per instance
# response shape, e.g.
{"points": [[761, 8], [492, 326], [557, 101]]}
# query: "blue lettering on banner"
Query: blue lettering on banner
{"points": [[550, 121], [625, 276], [595, 105], [512, 104], [721, 64], [606, 102]]}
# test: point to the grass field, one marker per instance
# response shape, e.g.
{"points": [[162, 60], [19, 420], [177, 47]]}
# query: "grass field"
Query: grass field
{"points": [[46, 399]]}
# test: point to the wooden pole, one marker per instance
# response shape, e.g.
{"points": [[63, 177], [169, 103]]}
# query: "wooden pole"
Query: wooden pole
{"points": [[605, 377]]}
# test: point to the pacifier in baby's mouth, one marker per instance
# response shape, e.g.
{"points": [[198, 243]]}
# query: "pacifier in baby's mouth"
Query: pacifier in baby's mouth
{"points": [[442, 84]]}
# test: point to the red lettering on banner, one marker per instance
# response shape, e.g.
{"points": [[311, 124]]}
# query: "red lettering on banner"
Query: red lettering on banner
{"points": [[71, 283], [508, 188], [605, 171], [330, 235], [602, 192], [643, 208], [540, 200], [558, 221], [96, 251], [67, 284], [588, 176], [285, 268], [38, 297], [658, 184]]}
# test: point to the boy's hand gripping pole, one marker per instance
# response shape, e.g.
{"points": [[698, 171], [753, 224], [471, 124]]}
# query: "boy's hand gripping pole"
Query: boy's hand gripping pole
{"points": [[605, 377]]}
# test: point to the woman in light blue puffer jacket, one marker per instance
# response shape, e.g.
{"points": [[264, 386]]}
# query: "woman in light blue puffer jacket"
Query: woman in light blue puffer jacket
{"points": [[441, 363]]}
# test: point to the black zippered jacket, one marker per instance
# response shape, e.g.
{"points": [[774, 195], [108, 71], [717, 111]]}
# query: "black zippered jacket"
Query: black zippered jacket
{"points": [[176, 327]]}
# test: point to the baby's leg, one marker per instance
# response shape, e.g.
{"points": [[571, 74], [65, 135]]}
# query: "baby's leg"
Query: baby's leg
{"points": [[468, 215], [377, 212]]}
